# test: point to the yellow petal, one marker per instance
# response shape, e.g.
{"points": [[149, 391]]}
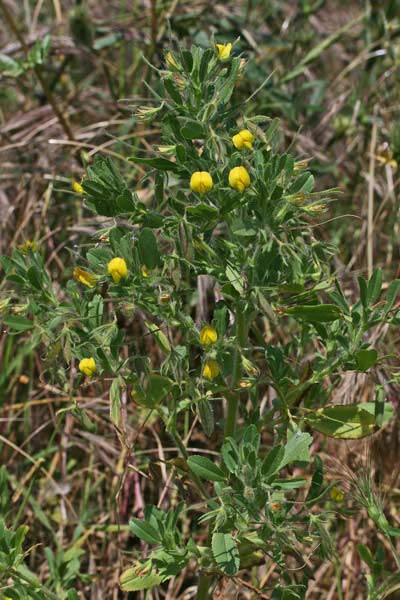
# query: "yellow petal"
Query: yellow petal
{"points": [[87, 366], [224, 51], [208, 336], [118, 269], [85, 277], [239, 178], [201, 182], [210, 369]]}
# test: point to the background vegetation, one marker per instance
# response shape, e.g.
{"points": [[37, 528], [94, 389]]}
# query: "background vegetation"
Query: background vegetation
{"points": [[71, 75]]}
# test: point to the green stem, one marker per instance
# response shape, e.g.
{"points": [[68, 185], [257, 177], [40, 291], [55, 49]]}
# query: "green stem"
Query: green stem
{"points": [[233, 396], [182, 448], [203, 587], [231, 415]]}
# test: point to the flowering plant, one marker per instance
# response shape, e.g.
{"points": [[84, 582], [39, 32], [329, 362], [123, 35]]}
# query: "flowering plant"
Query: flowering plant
{"points": [[254, 368]]}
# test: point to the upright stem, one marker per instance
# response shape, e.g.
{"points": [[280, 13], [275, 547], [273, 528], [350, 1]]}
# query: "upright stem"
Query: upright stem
{"points": [[203, 587], [233, 396], [182, 448]]}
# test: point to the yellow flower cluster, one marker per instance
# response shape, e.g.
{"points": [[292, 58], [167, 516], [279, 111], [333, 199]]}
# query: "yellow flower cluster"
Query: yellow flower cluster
{"points": [[239, 178]]}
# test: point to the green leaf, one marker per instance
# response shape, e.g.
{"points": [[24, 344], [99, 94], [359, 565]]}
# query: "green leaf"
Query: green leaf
{"points": [[203, 467], [230, 455], [362, 284], [144, 531], [206, 416], [235, 279], [273, 461], [317, 480], [374, 286], [225, 552], [365, 555], [319, 313], [226, 90], [193, 131], [366, 359], [203, 211], [158, 387], [17, 323], [148, 249], [159, 336], [173, 91], [130, 581], [297, 448], [157, 163], [348, 421], [10, 67], [391, 295]]}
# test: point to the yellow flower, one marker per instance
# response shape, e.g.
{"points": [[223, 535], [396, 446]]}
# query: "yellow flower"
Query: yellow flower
{"points": [[239, 178], [171, 62], [28, 245], [210, 369], [144, 270], [85, 277], [243, 139], [118, 269], [208, 336], [164, 298], [87, 366], [224, 51], [201, 182], [77, 187], [336, 494]]}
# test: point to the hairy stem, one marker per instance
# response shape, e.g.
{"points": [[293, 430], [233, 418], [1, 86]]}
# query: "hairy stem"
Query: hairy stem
{"points": [[203, 587], [233, 396]]}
